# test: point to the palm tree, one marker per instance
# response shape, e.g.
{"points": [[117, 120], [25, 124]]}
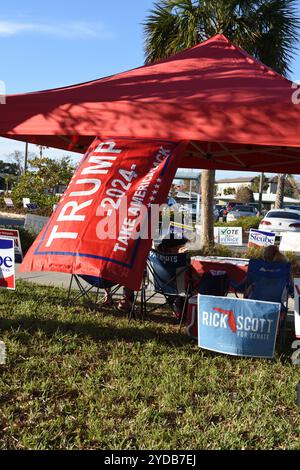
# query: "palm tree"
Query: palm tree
{"points": [[286, 186], [280, 191], [266, 29]]}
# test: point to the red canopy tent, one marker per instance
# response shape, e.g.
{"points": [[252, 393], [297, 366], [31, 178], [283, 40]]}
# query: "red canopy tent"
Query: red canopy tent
{"points": [[237, 113]]}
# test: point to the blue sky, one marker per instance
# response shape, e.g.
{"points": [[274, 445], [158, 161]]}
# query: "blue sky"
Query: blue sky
{"points": [[60, 42]]}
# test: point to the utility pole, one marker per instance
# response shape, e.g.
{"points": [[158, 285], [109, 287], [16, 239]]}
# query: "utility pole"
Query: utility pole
{"points": [[261, 188], [26, 157]]}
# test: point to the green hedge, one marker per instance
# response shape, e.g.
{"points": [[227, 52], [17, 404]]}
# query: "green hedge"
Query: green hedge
{"points": [[27, 237], [45, 204], [245, 222]]}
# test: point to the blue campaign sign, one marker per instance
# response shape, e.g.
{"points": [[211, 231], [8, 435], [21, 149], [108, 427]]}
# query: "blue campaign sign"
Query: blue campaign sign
{"points": [[238, 327]]}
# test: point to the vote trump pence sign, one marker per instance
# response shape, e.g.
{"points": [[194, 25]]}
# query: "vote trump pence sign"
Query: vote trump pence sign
{"points": [[7, 263]]}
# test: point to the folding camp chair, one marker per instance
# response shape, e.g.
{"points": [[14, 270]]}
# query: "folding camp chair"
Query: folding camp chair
{"points": [[142, 293], [89, 287], [168, 276], [270, 282]]}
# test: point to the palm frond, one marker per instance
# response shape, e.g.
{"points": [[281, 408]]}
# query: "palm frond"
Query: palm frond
{"points": [[170, 27], [267, 29]]}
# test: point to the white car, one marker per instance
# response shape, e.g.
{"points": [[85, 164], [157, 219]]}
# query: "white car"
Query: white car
{"points": [[241, 211], [281, 220]]}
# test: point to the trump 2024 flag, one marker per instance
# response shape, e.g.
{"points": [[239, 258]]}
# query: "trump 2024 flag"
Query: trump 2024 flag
{"points": [[7, 263], [101, 226]]}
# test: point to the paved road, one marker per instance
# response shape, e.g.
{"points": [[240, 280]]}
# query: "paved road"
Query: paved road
{"points": [[9, 221]]}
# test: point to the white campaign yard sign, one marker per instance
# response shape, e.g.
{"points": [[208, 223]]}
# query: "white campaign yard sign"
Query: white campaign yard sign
{"points": [[290, 241], [297, 306], [260, 238], [26, 201], [228, 235]]}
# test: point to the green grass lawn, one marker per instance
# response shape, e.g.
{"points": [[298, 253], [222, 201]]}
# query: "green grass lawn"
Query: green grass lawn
{"points": [[76, 379]]}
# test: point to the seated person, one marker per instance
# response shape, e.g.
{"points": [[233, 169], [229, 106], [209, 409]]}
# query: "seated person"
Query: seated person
{"points": [[168, 245], [125, 303], [171, 245], [271, 254]]}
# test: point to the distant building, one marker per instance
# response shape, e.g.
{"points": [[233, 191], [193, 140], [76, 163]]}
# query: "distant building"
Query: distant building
{"points": [[268, 200], [234, 183], [187, 180], [223, 186]]}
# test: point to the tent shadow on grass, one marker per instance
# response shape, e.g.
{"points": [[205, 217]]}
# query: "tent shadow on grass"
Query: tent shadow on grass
{"points": [[26, 327], [96, 331]]}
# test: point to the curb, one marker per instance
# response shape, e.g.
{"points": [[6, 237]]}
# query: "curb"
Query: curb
{"points": [[11, 215]]}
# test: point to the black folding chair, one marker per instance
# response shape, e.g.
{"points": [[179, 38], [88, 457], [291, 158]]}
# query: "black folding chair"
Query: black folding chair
{"points": [[89, 287], [167, 275]]}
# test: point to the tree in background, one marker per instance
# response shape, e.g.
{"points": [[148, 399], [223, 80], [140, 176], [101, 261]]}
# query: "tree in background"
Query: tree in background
{"points": [[266, 29], [280, 191], [9, 180], [292, 189], [229, 191], [41, 182], [17, 158], [287, 186], [256, 182], [9, 168], [52, 172], [244, 194]]}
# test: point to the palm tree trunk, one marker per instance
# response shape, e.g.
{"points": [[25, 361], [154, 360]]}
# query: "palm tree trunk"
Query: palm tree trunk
{"points": [[207, 203], [280, 191]]}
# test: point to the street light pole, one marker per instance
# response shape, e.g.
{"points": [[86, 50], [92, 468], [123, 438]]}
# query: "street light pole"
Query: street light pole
{"points": [[261, 187], [26, 157]]}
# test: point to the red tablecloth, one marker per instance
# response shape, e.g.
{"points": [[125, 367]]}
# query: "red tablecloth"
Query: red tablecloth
{"points": [[236, 270]]}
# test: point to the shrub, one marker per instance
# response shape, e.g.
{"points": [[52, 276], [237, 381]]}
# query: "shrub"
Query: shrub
{"points": [[293, 260], [245, 222], [27, 237], [255, 252], [216, 250]]}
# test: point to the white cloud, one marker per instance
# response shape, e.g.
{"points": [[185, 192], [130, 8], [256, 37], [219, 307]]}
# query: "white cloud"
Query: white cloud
{"points": [[69, 30]]}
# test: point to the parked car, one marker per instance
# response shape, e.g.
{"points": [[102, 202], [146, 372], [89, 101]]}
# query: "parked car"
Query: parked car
{"points": [[293, 208], [281, 220], [241, 211]]}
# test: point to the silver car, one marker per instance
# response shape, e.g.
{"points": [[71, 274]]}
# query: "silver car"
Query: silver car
{"points": [[241, 211]]}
